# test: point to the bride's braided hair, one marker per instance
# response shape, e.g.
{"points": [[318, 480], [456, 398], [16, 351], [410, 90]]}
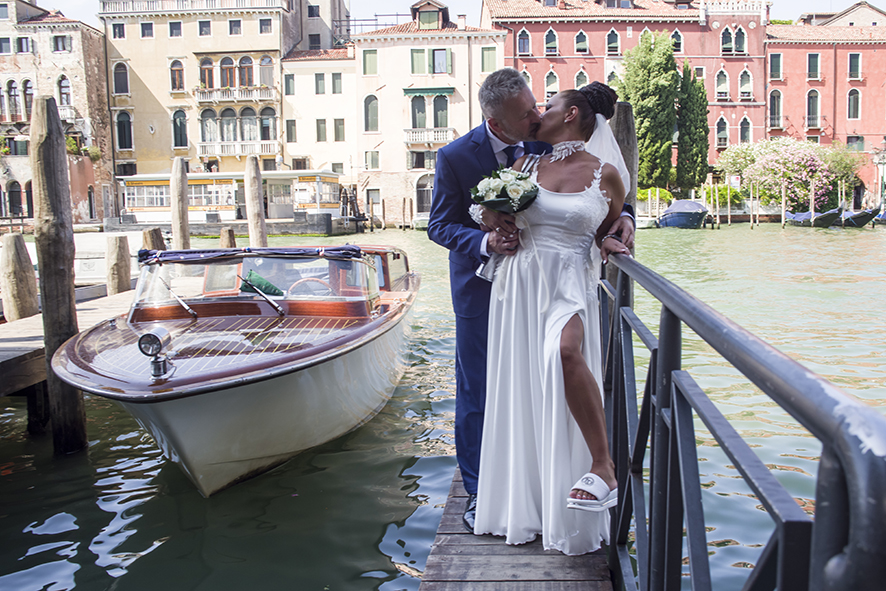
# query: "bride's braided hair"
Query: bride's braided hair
{"points": [[594, 98]]}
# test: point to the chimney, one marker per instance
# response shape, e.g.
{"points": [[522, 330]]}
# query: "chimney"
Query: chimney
{"points": [[561, 4], [350, 50], [461, 22]]}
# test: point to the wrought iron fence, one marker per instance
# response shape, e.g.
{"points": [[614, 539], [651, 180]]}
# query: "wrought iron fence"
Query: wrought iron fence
{"points": [[843, 548]]}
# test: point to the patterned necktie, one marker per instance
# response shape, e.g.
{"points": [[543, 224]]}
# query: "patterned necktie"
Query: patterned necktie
{"points": [[509, 152]]}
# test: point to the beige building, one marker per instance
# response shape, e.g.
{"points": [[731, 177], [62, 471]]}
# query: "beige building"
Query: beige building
{"points": [[416, 91], [44, 53]]}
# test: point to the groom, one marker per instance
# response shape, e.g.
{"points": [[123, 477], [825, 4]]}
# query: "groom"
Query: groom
{"points": [[512, 119]]}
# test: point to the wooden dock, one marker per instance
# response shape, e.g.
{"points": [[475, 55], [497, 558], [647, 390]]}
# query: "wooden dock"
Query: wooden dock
{"points": [[461, 561], [22, 361]]}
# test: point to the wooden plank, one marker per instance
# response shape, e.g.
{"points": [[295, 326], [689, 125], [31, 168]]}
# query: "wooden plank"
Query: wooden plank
{"points": [[461, 561]]}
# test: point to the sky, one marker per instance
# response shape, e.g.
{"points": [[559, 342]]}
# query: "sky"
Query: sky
{"points": [[85, 10]]}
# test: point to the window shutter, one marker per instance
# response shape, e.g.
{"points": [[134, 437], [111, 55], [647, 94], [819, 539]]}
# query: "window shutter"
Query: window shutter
{"points": [[448, 61]]}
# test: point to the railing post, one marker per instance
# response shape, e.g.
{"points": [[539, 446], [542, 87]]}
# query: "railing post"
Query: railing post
{"points": [[665, 537]]}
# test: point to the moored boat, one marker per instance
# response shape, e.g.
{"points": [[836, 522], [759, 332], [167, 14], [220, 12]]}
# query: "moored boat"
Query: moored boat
{"points": [[683, 213], [856, 219], [824, 219], [235, 360]]}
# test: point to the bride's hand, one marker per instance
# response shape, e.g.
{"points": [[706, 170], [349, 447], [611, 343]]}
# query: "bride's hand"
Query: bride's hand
{"points": [[611, 245], [500, 223]]}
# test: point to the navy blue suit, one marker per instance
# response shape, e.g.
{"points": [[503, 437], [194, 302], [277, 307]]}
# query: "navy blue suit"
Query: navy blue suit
{"points": [[460, 166]]}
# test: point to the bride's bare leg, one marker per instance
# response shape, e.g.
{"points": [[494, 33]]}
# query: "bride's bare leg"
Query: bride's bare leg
{"points": [[585, 403]]}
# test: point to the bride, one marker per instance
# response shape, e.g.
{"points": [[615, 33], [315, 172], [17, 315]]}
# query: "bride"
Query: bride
{"points": [[545, 465]]}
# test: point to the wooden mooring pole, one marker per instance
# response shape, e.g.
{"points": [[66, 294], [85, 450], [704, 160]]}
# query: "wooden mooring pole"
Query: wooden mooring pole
{"points": [[119, 265], [152, 239], [255, 211], [54, 236], [226, 238], [178, 192], [18, 284]]}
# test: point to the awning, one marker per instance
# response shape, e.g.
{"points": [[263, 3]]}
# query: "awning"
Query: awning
{"points": [[429, 91]]}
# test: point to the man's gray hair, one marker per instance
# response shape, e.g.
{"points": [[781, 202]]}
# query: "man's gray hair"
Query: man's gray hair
{"points": [[499, 87]]}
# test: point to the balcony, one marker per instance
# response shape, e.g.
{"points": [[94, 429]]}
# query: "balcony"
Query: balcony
{"points": [[722, 95], [776, 122], [67, 113], [814, 122], [251, 94], [130, 6], [429, 135], [258, 147]]}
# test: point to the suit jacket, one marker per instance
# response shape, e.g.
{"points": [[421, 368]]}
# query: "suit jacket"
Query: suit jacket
{"points": [[460, 166]]}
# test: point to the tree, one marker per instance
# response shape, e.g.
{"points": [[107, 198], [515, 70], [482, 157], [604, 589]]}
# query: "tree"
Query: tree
{"points": [[692, 125], [650, 84]]}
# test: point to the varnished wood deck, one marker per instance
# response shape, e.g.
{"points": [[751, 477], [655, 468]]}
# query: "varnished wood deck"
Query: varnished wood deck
{"points": [[22, 362], [461, 561]]}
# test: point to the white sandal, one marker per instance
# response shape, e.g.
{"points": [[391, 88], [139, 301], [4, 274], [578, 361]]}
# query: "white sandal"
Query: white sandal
{"points": [[593, 484]]}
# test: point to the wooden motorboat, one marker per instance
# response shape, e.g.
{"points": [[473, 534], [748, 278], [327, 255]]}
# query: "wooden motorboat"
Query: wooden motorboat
{"points": [[235, 360], [683, 213], [824, 219], [856, 219]]}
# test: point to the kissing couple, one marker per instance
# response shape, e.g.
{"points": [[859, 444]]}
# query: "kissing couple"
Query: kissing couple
{"points": [[528, 351]]}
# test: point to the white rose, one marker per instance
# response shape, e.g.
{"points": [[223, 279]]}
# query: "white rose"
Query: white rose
{"points": [[496, 185], [527, 186], [515, 191], [507, 177], [489, 194], [483, 186]]}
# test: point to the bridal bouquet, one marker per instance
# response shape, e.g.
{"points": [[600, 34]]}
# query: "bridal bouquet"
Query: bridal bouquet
{"points": [[505, 190]]}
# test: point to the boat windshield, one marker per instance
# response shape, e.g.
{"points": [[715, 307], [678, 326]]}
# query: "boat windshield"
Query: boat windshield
{"points": [[279, 278]]}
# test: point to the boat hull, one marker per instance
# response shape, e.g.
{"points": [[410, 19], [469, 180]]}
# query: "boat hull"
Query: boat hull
{"points": [[824, 220], [226, 436], [682, 219]]}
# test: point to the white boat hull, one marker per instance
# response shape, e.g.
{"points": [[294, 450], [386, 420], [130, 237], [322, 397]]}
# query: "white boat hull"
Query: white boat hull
{"points": [[222, 437]]}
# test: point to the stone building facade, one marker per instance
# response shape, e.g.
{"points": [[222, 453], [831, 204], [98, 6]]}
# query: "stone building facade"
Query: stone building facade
{"points": [[44, 53]]}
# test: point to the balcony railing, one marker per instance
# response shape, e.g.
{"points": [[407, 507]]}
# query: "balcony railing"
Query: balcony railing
{"points": [[261, 148], [232, 95], [430, 135], [128, 6], [746, 95], [776, 122], [814, 122], [67, 112]]}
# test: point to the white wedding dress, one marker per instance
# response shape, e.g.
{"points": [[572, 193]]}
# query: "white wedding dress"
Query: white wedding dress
{"points": [[533, 451]]}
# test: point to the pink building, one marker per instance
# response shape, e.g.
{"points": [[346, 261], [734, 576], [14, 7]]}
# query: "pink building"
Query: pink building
{"points": [[762, 80]]}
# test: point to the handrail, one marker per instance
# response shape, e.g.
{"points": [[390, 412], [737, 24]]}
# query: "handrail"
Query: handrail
{"points": [[845, 548]]}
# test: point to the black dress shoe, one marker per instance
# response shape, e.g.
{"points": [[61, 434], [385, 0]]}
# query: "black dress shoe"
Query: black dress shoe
{"points": [[470, 513]]}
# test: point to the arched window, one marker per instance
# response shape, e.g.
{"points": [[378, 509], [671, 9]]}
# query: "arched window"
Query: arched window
{"points": [[124, 131], [208, 127], [612, 43], [206, 78], [248, 125], [424, 190], [179, 129], [14, 194], [523, 46], [14, 107], [775, 109], [745, 88], [552, 84], [441, 111], [121, 79], [527, 78], [581, 42], [726, 46], [268, 124], [581, 79], [227, 125], [854, 104], [90, 200], [744, 131], [418, 112], [812, 109], [227, 73], [722, 85], [722, 133], [370, 113], [176, 75], [28, 94], [266, 71], [550, 42], [677, 40], [246, 71], [740, 41], [64, 91]]}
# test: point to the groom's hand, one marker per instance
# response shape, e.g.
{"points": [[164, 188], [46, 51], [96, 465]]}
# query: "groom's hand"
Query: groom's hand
{"points": [[500, 223], [502, 244]]}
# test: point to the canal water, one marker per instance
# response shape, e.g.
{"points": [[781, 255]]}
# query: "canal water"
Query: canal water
{"points": [[360, 512]]}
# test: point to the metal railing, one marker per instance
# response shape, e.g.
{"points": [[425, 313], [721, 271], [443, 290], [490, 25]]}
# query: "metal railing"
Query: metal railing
{"points": [[845, 546]]}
